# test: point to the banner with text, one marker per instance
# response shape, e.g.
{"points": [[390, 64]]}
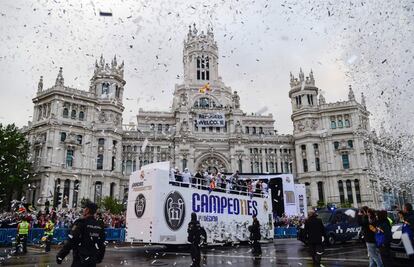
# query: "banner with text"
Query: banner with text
{"points": [[210, 120]]}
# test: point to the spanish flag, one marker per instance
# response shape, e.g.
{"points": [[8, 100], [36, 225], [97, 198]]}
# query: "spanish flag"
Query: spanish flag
{"points": [[205, 88]]}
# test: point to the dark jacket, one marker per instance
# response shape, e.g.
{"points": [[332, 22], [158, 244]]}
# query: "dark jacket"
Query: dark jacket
{"points": [[386, 229], [314, 230], [87, 240], [194, 232], [255, 230], [409, 217], [369, 235]]}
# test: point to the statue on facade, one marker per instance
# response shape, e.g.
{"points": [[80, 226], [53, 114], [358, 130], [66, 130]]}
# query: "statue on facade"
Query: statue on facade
{"points": [[322, 100], [184, 99], [236, 100], [351, 96], [59, 79], [40, 84], [238, 128]]}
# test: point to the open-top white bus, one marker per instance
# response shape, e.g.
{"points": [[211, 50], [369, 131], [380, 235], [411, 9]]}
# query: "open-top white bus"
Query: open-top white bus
{"points": [[159, 210]]}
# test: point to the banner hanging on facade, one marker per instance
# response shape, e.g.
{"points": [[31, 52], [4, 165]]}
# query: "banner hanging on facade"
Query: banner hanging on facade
{"points": [[210, 120]]}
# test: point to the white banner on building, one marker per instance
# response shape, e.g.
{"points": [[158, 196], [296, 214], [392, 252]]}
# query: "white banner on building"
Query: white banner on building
{"points": [[210, 120]]}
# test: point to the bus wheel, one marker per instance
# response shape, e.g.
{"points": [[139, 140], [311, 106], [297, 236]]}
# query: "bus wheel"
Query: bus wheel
{"points": [[331, 240]]}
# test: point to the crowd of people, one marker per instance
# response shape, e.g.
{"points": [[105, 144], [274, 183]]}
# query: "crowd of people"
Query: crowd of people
{"points": [[211, 181], [62, 218]]}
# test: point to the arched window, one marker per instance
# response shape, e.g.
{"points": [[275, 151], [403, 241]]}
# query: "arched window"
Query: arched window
{"points": [[65, 113], [73, 114], [159, 128], [336, 145], [69, 158], [62, 137], [350, 144], [101, 141], [128, 167], [318, 164], [98, 192], [347, 123], [333, 124], [341, 191], [357, 190], [340, 124], [349, 191], [99, 162], [253, 130], [247, 130], [287, 167], [81, 115], [345, 161], [303, 147], [203, 68], [205, 102], [167, 128]]}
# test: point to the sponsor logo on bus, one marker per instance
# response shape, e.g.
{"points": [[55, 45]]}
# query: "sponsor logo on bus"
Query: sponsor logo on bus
{"points": [[223, 205], [140, 204], [174, 210]]}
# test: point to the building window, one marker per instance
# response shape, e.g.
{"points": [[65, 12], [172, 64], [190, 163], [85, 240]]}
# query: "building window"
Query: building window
{"points": [[320, 191], [340, 124], [167, 128], [75, 194], [134, 165], [240, 165], [113, 163], [128, 167], [247, 130], [210, 129], [117, 91], [99, 162], [350, 144], [159, 128], [79, 139], [271, 167], [260, 130], [203, 68], [152, 126], [73, 114], [62, 137], [101, 141], [345, 161], [69, 158], [303, 147], [349, 191], [66, 188], [305, 165], [318, 164], [98, 192], [105, 88], [336, 145], [65, 113], [253, 130], [315, 147], [81, 115], [333, 124], [357, 190], [341, 191], [112, 190], [347, 123]]}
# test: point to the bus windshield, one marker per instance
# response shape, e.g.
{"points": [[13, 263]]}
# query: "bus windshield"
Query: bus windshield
{"points": [[325, 216]]}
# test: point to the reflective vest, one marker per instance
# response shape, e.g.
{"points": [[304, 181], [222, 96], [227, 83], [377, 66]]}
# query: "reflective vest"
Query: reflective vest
{"points": [[23, 228], [49, 228], [390, 221]]}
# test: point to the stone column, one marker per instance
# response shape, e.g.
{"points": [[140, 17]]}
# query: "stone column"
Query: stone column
{"points": [[354, 193]]}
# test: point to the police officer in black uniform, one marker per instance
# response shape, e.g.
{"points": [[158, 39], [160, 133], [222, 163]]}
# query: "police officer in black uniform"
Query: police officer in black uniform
{"points": [[86, 239], [255, 236], [194, 237]]}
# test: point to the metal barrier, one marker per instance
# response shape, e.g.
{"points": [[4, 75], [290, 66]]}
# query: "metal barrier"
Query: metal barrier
{"points": [[286, 232], [8, 235]]}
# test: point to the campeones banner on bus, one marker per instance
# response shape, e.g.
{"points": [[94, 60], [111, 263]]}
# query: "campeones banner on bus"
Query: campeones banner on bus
{"points": [[210, 120], [223, 205]]}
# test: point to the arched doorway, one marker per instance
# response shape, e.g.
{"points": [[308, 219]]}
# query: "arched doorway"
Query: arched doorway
{"points": [[212, 164]]}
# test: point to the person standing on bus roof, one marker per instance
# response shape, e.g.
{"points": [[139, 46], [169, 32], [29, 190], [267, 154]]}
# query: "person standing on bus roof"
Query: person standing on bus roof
{"points": [[186, 177], [315, 233], [194, 237], [255, 236]]}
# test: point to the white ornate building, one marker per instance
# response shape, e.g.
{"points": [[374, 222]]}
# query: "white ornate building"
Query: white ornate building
{"points": [[81, 149]]}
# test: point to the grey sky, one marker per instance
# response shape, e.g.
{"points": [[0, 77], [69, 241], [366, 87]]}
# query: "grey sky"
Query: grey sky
{"points": [[259, 43]]}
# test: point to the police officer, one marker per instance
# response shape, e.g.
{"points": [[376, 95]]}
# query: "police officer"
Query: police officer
{"points": [[23, 231], [315, 234], [49, 229], [255, 236], [86, 239], [194, 237]]}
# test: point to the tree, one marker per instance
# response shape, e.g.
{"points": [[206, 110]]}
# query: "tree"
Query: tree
{"points": [[15, 168], [112, 205]]}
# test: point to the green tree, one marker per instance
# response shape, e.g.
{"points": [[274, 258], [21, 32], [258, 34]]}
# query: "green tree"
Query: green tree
{"points": [[321, 204], [15, 168], [112, 205]]}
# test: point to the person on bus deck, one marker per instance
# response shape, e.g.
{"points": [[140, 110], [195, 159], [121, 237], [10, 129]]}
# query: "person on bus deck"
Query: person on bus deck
{"points": [[194, 237], [186, 178], [178, 176], [265, 189], [315, 234], [172, 176], [197, 179]]}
